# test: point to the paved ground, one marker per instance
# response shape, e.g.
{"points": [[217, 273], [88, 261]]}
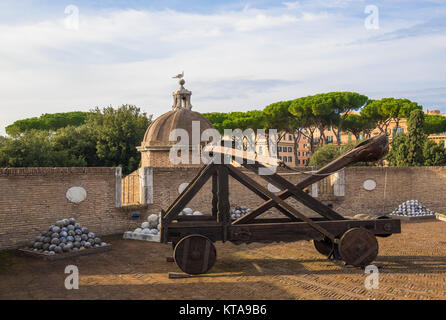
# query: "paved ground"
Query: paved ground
{"points": [[412, 266]]}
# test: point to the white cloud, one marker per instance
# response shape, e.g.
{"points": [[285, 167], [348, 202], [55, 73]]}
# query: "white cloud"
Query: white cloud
{"points": [[232, 59]]}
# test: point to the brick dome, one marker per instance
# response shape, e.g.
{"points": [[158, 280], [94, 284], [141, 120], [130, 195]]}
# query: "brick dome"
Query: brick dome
{"points": [[157, 135]]}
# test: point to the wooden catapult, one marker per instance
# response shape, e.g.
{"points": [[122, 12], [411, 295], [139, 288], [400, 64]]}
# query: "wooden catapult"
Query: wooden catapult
{"points": [[192, 237]]}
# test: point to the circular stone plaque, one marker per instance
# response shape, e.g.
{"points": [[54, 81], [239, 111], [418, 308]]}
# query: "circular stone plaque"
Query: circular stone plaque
{"points": [[76, 194], [182, 186], [369, 184]]}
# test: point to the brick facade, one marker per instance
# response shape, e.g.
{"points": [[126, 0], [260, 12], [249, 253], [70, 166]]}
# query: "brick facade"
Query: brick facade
{"points": [[31, 199]]}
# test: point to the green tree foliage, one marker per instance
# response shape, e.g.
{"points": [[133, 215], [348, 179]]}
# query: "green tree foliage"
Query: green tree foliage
{"points": [[47, 122], [330, 152], [413, 148], [357, 124], [434, 124], [387, 110], [108, 137], [34, 148], [117, 132], [416, 138]]}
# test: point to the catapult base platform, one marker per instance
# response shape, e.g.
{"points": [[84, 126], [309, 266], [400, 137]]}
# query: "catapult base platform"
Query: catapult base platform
{"points": [[65, 255], [141, 236]]}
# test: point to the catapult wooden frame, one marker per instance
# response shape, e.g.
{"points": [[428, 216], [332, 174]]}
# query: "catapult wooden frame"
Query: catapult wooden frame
{"points": [[334, 236]]}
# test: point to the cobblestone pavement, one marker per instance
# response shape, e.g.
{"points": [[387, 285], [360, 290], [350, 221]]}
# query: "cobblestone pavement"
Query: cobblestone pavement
{"points": [[412, 265]]}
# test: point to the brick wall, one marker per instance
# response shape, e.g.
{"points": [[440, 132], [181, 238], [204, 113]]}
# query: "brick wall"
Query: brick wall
{"points": [[393, 186], [32, 199]]}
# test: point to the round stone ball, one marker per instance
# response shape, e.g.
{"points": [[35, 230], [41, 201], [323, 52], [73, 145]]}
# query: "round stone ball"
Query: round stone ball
{"points": [[146, 231], [145, 225], [188, 211], [63, 234], [45, 246], [52, 252], [51, 247], [76, 244], [78, 231], [51, 227], [58, 249], [97, 240], [77, 225], [63, 239], [55, 241], [70, 227], [37, 245], [197, 213], [56, 229], [152, 217], [68, 247], [64, 229], [138, 230], [71, 233], [75, 249], [59, 223], [77, 238], [87, 245], [96, 245], [31, 244], [55, 235], [84, 230], [66, 222], [83, 243], [72, 221], [91, 241], [46, 239], [103, 244], [153, 224], [70, 239], [91, 235], [154, 231], [84, 237]]}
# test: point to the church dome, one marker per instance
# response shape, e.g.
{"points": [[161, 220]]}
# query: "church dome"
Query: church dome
{"points": [[181, 117]]}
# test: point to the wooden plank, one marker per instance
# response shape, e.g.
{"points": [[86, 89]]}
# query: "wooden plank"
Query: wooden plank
{"points": [[261, 195], [281, 202], [214, 195], [223, 215], [288, 231], [296, 193], [185, 197]]}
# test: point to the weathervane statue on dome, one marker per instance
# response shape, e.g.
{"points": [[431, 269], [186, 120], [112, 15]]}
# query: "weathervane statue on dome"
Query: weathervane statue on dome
{"points": [[181, 97]]}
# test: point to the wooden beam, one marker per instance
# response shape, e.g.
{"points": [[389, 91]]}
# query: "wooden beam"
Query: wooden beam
{"points": [[188, 194], [281, 202], [223, 215], [261, 195], [296, 193]]}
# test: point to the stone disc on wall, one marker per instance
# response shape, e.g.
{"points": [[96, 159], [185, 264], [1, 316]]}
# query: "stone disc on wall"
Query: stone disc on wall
{"points": [[182, 186], [369, 184], [76, 194]]}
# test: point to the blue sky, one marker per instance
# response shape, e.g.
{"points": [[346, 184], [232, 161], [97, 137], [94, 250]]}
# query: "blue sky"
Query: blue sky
{"points": [[237, 55]]}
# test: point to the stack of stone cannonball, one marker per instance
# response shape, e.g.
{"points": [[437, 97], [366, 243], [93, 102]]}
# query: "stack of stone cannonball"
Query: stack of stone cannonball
{"points": [[65, 236], [190, 212], [151, 226], [239, 211], [412, 208]]}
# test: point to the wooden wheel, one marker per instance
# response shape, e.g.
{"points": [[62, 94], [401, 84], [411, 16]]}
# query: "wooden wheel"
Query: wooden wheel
{"points": [[195, 254], [324, 246], [358, 247]]}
